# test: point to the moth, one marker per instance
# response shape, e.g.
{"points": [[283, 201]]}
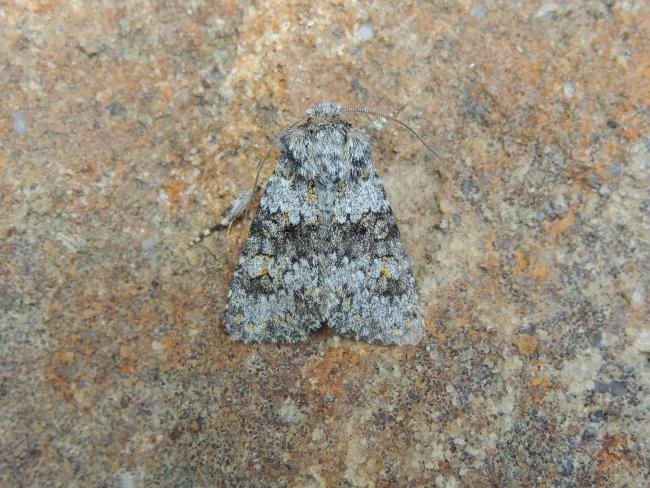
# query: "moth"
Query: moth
{"points": [[324, 247]]}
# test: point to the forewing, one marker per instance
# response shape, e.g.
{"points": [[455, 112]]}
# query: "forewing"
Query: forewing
{"points": [[275, 291], [372, 295]]}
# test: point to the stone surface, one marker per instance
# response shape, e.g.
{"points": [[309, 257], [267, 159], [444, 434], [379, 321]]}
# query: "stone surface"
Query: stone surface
{"points": [[127, 127]]}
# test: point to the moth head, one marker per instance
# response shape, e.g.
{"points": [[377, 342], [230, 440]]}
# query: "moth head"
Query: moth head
{"points": [[324, 109]]}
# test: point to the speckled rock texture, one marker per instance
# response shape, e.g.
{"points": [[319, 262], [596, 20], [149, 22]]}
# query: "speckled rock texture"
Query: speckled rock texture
{"points": [[126, 127]]}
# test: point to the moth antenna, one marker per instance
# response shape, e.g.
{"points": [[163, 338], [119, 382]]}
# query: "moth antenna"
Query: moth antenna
{"points": [[257, 175], [298, 121], [390, 117]]}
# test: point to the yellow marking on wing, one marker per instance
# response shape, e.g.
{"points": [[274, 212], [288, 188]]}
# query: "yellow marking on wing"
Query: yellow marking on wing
{"points": [[311, 194]]}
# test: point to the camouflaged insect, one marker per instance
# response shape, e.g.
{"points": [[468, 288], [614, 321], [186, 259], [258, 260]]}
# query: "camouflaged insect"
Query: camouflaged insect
{"points": [[324, 247]]}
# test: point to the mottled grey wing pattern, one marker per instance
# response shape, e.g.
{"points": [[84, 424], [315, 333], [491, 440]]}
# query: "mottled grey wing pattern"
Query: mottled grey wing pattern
{"points": [[324, 247], [372, 294], [274, 296], [351, 273]]}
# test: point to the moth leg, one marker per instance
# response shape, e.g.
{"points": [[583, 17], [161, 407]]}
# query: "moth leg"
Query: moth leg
{"points": [[236, 210]]}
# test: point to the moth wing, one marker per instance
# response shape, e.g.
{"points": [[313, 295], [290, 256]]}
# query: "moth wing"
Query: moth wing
{"points": [[275, 292], [372, 292]]}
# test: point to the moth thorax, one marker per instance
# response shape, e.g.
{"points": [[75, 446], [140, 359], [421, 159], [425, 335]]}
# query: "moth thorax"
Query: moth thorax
{"points": [[330, 155]]}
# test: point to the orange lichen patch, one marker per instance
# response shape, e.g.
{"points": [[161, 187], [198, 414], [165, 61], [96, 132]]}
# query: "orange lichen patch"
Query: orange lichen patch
{"points": [[58, 382], [521, 260], [612, 451], [60, 371], [528, 263], [40, 5], [174, 189], [492, 260], [51, 249], [232, 359], [561, 225], [128, 361], [525, 344], [539, 387], [597, 171], [631, 133], [173, 349], [63, 357], [327, 375], [539, 272]]}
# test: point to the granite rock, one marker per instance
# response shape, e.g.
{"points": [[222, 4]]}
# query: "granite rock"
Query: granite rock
{"points": [[127, 127]]}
